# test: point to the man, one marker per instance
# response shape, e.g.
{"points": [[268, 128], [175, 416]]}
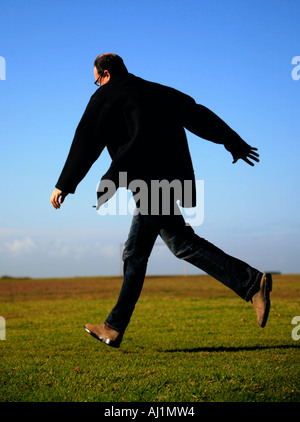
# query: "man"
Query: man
{"points": [[143, 124]]}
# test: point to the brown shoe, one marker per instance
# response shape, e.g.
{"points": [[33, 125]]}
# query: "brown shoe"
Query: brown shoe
{"points": [[105, 334], [261, 299]]}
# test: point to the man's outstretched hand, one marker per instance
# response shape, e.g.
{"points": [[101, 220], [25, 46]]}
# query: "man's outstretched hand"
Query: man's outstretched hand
{"points": [[247, 156], [57, 198]]}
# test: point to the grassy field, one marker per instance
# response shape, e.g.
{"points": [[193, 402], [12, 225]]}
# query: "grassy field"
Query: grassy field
{"points": [[190, 340]]}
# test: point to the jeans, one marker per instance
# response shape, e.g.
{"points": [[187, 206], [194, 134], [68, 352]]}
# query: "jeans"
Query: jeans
{"points": [[184, 244]]}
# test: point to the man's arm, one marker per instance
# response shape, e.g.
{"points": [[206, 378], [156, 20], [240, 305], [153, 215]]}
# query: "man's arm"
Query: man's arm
{"points": [[86, 147], [204, 123]]}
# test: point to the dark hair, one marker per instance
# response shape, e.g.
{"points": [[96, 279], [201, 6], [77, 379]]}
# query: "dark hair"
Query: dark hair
{"points": [[110, 62]]}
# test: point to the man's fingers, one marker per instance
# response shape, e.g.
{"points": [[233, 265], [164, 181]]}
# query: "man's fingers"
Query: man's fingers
{"points": [[247, 161], [57, 198], [252, 157], [55, 202]]}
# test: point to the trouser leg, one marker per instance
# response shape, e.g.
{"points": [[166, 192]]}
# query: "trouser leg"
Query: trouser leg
{"points": [[137, 250], [185, 244]]}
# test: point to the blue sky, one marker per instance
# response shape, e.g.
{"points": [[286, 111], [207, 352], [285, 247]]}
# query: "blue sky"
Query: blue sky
{"points": [[235, 57]]}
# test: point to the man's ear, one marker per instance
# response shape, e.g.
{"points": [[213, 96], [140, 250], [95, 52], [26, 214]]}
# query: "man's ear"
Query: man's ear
{"points": [[106, 74]]}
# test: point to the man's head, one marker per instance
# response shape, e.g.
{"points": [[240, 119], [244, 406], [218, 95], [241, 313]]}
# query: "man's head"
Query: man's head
{"points": [[107, 66]]}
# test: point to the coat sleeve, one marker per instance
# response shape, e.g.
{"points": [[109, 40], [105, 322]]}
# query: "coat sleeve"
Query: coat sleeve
{"points": [[87, 145], [204, 123]]}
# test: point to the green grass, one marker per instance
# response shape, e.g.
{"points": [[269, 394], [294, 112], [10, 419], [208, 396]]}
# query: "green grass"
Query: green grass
{"points": [[200, 346]]}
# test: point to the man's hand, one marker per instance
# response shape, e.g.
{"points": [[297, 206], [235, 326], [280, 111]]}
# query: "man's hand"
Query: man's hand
{"points": [[247, 156], [57, 198]]}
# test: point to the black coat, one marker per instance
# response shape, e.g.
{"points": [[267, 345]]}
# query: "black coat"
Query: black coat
{"points": [[142, 124]]}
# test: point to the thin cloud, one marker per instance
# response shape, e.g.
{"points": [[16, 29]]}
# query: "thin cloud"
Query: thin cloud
{"points": [[21, 246]]}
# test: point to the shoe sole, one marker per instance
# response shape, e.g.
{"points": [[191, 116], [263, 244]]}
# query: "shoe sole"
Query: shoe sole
{"points": [[108, 341], [267, 289]]}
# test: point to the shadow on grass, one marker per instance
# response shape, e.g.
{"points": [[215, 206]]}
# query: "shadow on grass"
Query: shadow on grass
{"points": [[231, 349]]}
